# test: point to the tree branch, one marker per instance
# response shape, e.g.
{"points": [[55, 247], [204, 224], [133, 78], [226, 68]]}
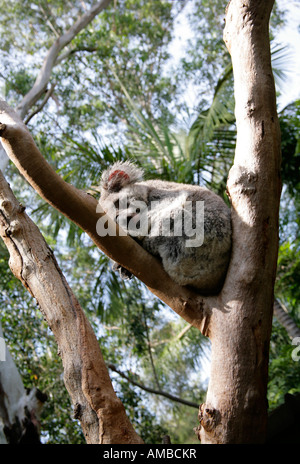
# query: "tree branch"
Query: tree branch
{"points": [[43, 103], [285, 320], [67, 53], [84, 211], [150, 350], [152, 390], [50, 61]]}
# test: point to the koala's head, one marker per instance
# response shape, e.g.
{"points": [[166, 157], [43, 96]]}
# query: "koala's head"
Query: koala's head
{"points": [[122, 194]]}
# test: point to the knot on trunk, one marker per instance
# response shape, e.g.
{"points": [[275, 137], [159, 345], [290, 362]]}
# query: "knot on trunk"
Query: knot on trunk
{"points": [[208, 417], [241, 180]]}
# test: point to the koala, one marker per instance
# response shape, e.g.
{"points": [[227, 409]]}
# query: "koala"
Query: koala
{"points": [[186, 226]]}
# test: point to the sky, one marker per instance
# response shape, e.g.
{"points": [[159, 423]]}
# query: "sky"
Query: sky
{"points": [[290, 35]]}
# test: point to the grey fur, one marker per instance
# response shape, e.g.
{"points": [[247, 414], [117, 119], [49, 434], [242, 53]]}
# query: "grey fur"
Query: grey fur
{"points": [[203, 267]]}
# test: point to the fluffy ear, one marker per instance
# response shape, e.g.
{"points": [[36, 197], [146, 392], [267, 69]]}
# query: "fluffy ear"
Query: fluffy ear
{"points": [[120, 175]]}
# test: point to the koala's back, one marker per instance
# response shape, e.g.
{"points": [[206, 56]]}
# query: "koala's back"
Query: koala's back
{"points": [[203, 267]]}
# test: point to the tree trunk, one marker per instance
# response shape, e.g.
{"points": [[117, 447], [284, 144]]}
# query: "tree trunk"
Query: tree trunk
{"points": [[236, 406], [101, 413]]}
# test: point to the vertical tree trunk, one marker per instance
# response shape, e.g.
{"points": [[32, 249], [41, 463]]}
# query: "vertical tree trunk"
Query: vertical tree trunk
{"points": [[100, 411], [236, 406]]}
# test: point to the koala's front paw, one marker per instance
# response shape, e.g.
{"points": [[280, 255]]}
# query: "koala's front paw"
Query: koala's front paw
{"points": [[2, 128], [124, 273]]}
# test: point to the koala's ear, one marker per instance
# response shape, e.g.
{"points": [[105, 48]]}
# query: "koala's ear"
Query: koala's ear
{"points": [[120, 175], [117, 179]]}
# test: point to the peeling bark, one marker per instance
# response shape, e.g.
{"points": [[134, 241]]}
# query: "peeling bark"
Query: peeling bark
{"points": [[96, 405]]}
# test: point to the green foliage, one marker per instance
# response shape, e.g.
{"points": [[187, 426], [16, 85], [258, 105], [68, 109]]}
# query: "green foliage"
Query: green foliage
{"points": [[29, 26], [18, 83], [288, 274], [284, 372], [145, 423]]}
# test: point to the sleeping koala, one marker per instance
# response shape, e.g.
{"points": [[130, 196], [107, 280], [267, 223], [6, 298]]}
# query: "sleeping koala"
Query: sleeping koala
{"points": [[188, 227]]}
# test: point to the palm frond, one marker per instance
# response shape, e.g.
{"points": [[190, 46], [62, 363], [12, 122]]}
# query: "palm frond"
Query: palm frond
{"points": [[281, 63]]}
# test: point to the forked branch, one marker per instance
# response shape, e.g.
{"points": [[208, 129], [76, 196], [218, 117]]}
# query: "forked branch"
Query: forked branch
{"points": [[50, 60]]}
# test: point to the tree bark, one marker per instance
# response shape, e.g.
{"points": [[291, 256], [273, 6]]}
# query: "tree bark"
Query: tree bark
{"points": [[236, 406], [96, 405]]}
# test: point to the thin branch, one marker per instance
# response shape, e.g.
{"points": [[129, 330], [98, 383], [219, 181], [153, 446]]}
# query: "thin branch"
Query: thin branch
{"points": [[67, 53], [150, 350], [183, 332], [152, 390], [285, 319], [41, 106], [48, 21], [50, 61], [173, 339]]}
